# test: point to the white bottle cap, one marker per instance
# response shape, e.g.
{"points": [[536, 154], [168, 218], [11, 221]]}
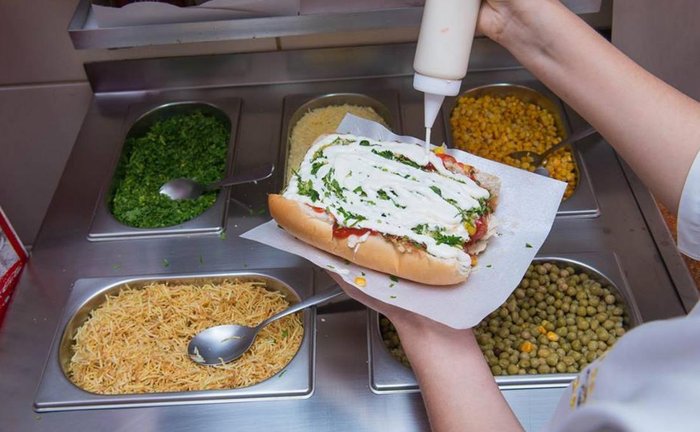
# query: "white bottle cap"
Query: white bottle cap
{"points": [[432, 103], [435, 90], [436, 86]]}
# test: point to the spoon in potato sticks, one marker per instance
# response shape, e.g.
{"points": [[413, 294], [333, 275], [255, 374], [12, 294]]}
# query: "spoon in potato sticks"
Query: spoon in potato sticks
{"points": [[187, 189], [225, 343]]}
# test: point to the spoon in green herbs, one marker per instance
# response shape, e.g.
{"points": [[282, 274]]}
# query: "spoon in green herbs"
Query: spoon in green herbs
{"points": [[186, 189]]}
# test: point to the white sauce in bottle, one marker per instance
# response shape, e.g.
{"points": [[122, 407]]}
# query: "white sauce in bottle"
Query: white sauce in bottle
{"points": [[445, 40], [442, 55]]}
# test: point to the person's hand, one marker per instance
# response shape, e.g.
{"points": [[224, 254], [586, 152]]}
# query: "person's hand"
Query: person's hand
{"points": [[456, 384], [406, 322], [395, 314], [500, 17]]}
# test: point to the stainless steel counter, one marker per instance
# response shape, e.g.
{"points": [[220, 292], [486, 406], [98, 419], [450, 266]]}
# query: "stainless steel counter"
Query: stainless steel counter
{"points": [[342, 399]]}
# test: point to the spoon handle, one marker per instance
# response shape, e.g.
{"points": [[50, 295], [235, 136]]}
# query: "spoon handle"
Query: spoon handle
{"points": [[257, 173], [578, 136], [311, 301]]}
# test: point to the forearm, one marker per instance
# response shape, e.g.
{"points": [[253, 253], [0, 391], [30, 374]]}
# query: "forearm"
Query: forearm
{"points": [[457, 386], [655, 128]]}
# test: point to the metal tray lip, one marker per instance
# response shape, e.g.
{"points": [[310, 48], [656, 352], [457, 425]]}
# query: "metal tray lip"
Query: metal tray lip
{"points": [[404, 380], [105, 227], [293, 104], [301, 367], [583, 202]]}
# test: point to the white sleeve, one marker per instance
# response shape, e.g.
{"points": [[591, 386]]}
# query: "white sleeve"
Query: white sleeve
{"points": [[648, 382], [689, 213]]}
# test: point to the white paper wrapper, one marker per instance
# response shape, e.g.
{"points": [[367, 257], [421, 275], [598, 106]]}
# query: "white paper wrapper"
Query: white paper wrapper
{"points": [[527, 206]]}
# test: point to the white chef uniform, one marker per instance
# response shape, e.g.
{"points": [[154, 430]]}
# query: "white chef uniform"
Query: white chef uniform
{"points": [[650, 380], [689, 213]]}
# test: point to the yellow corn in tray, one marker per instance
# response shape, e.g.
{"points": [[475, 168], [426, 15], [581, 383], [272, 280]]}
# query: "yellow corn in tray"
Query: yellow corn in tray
{"points": [[494, 127]]}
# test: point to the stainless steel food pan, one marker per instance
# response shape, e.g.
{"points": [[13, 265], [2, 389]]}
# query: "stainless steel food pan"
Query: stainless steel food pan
{"points": [[388, 375], [384, 103], [139, 119], [57, 393], [583, 201]]}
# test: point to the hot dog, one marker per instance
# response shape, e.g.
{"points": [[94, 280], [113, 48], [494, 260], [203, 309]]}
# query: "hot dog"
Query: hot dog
{"points": [[389, 206]]}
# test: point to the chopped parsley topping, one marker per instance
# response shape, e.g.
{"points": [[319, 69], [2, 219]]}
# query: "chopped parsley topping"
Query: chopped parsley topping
{"points": [[306, 188], [342, 141], [358, 190], [364, 143], [467, 215], [388, 154], [316, 166], [332, 184], [393, 278], [382, 194], [528, 245], [350, 216], [420, 229], [439, 235], [450, 240]]}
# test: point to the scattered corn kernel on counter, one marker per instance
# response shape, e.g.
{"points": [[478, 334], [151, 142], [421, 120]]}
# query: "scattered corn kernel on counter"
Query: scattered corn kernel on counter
{"points": [[598, 274]]}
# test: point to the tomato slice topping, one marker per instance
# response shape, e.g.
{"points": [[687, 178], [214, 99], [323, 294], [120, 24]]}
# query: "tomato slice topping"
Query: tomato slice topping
{"points": [[318, 209], [449, 162], [345, 232], [481, 229]]}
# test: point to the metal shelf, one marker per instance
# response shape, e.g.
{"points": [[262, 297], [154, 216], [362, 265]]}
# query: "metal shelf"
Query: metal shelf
{"points": [[86, 34]]}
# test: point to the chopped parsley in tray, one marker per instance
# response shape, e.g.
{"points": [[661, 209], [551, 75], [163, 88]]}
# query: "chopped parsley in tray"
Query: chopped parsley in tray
{"points": [[191, 146]]}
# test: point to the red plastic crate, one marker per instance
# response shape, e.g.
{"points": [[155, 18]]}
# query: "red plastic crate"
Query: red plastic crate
{"points": [[13, 257]]}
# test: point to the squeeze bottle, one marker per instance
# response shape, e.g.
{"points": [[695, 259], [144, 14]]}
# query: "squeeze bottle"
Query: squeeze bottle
{"points": [[442, 55]]}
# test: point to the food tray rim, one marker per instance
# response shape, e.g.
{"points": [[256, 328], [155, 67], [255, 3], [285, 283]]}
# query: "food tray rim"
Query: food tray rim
{"points": [[583, 202], [401, 379], [58, 393], [105, 227]]}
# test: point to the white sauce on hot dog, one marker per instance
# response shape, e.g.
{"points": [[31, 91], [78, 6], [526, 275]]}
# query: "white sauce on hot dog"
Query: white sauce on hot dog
{"points": [[381, 186]]}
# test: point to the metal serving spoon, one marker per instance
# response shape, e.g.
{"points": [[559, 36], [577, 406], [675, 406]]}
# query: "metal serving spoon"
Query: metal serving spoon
{"points": [[538, 159], [225, 343], [187, 189]]}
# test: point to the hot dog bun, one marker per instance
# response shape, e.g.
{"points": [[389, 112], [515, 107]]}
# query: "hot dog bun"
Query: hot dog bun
{"points": [[376, 253], [401, 255]]}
